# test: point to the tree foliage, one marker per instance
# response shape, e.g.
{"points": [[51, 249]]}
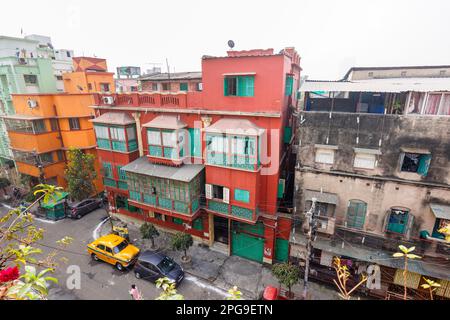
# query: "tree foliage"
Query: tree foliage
{"points": [[169, 291], [343, 275], [148, 231], [18, 237], [80, 174], [287, 274], [182, 242]]}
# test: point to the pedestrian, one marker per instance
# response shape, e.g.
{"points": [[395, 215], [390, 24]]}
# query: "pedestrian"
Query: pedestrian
{"points": [[134, 292]]}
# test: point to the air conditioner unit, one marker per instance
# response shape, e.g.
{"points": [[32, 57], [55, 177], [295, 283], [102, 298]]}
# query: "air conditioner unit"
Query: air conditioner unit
{"points": [[32, 103], [108, 100]]}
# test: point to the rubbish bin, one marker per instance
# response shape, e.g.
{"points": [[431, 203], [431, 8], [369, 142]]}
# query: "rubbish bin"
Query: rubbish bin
{"points": [[270, 293]]}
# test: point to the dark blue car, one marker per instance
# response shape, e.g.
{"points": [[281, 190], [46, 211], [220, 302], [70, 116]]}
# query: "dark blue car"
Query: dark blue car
{"points": [[152, 265]]}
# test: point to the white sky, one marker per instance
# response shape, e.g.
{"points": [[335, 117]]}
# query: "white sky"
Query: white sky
{"points": [[330, 35]]}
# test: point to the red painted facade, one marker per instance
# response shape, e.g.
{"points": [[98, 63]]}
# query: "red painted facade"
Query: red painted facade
{"points": [[268, 107]]}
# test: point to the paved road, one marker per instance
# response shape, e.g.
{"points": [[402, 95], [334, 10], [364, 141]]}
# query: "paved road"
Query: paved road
{"points": [[99, 280]]}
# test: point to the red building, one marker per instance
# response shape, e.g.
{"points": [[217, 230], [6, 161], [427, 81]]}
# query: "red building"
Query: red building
{"points": [[218, 163]]}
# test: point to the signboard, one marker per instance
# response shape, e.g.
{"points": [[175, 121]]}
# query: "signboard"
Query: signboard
{"points": [[129, 71]]}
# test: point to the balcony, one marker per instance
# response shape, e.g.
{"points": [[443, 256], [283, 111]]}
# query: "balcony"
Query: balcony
{"points": [[165, 100], [49, 171], [42, 142], [233, 211]]}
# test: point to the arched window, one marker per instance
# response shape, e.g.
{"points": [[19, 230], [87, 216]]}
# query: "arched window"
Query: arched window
{"points": [[356, 214]]}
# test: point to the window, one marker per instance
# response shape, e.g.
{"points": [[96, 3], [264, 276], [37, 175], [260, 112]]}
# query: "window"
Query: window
{"points": [[324, 156], [166, 86], [60, 155], [30, 79], [242, 86], [154, 137], [101, 132], [241, 195], [364, 160], [289, 85], [442, 72], [89, 86], [438, 225], [356, 214], [195, 141], [39, 126], [415, 162], [403, 74], [183, 86], [218, 144], [68, 54], [154, 87], [122, 174], [415, 102], [217, 192], [169, 139], [101, 247], [121, 202], [104, 87], [107, 170], [432, 105], [398, 220], [54, 124], [59, 78], [131, 133], [74, 123], [117, 133], [370, 74], [199, 86], [46, 158], [134, 89]]}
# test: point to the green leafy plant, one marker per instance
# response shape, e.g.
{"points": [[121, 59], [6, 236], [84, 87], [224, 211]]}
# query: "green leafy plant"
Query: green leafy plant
{"points": [[182, 242], [431, 286], [287, 274], [17, 236], [343, 275], [169, 290], [406, 254], [80, 174], [148, 231], [446, 231]]}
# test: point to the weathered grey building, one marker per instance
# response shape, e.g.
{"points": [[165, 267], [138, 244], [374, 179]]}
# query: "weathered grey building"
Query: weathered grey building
{"points": [[381, 177]]}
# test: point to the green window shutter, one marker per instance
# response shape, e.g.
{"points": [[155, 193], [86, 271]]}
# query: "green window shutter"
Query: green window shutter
{"points": [[356, 214], [289, 85], [246, 86], [198, 224], [242, 195], [225, 86], [177, 221], [122, 174], [281, 183], [195, 142], [107, 170], [424, 164], [287, 134], [183, 86]]}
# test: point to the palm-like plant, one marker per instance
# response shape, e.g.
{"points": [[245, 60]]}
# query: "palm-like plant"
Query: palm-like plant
{"points": [[34, 285], [342, 276], [169, 290], [235, 294], [431, 286], [446, 231], [406, 254]]}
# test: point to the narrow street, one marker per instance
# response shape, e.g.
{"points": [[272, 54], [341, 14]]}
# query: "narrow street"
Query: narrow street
{"points": [[100, 281]]}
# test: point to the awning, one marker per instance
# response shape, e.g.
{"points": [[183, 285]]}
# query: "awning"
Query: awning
{"points": [[415, 150], [24, 117], [117, 118], [166, 122], [235, 126], [143, 166], [440, 211], [323, 197]]}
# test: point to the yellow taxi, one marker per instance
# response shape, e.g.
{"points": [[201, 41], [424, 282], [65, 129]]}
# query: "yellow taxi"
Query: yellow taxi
{"points": [[114, 250]]}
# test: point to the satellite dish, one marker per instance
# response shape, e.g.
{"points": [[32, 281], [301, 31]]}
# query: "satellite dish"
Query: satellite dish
{"points": [[231, 44]]}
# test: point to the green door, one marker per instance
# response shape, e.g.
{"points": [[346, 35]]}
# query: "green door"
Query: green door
{"points": [[247, 246], [281, 250]]}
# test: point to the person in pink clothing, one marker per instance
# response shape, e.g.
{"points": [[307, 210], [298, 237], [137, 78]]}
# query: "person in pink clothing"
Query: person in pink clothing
{"points": [[135, 294]]}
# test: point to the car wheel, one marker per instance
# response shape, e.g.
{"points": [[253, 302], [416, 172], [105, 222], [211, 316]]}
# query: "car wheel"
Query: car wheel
{"points": [[94, 256], [119, 267], [137, 275], [78, 216]]}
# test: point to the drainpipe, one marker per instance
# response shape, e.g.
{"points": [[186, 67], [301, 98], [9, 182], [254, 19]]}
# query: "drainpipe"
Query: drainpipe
{"points": [[137, 118]]}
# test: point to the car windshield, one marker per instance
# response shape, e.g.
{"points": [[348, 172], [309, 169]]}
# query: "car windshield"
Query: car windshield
{"points": [[120, 247], [166, 265]]}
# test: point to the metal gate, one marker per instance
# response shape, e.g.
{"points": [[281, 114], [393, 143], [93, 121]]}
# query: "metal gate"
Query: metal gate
{"points": [[281, 250], [246, 245]]}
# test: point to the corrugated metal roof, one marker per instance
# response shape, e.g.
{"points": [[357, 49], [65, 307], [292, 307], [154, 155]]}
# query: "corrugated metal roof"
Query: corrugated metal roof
{"points": [[185, 173], [395, 85], [235, 126], [440, 211], [173, 76], [119, 118], [166, 122]]}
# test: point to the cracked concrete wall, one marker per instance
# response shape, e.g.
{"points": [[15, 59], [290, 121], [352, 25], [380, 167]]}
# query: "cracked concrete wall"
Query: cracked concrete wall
{"points": [[385, 186]]}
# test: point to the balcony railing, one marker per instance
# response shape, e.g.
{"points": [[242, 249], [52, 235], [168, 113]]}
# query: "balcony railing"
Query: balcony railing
{"points": [[174, 100]]}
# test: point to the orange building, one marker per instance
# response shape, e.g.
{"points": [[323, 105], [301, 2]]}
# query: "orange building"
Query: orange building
{"points": [[45, 126]]}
